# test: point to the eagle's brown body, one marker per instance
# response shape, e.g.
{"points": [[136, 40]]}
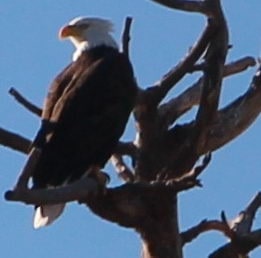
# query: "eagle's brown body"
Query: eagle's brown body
{"points": [[85, 113]]}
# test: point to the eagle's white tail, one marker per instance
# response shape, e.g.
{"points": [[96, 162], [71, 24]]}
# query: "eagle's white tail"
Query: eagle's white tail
{"points": [[46, 214]]}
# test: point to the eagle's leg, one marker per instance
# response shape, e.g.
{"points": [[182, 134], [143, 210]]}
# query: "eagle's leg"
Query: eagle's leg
{"points": [[101, 177]]}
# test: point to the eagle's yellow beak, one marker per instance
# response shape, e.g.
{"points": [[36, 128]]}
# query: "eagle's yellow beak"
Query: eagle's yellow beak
{"points": [[68, 31]]}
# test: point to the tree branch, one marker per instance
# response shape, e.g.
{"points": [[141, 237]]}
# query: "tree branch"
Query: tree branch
{"points": [[24, 102], [129, 205], [28, 169], [212, 80], [242, 224], [205, 226], [239, 65], [240, 247], [79, 190], [156, 93], [188, 6], [236, 117], [150, 131], [243, 240], [126, 36], [177, 106], [14, 141], [122, 169], [190, 179]]}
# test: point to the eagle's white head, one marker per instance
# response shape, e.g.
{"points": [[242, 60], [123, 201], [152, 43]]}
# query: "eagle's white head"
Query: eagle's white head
{"points": [[86, 33]]}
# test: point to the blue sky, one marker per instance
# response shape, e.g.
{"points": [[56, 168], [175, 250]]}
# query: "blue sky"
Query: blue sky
{"points": [[31, 55]]}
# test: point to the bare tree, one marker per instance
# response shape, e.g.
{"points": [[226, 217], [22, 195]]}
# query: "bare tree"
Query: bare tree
{"points": [[164, 153]]}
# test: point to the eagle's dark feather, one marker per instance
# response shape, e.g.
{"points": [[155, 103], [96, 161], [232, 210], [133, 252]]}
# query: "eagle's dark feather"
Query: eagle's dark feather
{"points": [[84, 115]]}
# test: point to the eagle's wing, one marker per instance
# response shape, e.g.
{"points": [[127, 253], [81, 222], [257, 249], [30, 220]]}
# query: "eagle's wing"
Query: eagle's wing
{"points": [[55, 92]]}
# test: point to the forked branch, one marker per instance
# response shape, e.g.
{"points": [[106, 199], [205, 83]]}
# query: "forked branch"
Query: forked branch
{"points": [[155, 94], [244, 240], [238, 231], [176, 107]]}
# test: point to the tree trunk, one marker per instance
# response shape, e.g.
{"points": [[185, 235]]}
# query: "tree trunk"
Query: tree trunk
{"points": [[160, 236]]}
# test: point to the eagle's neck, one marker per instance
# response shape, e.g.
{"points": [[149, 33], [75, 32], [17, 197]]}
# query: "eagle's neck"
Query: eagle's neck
{"points": [[94, 40]]}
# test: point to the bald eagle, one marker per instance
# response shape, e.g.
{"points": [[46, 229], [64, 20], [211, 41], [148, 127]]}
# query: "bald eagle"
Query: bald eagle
{"points": [[85, 111]]}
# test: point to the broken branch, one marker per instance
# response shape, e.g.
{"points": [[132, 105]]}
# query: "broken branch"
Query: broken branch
{"points": [[126, 36], [24, 102], [14, 141]]}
